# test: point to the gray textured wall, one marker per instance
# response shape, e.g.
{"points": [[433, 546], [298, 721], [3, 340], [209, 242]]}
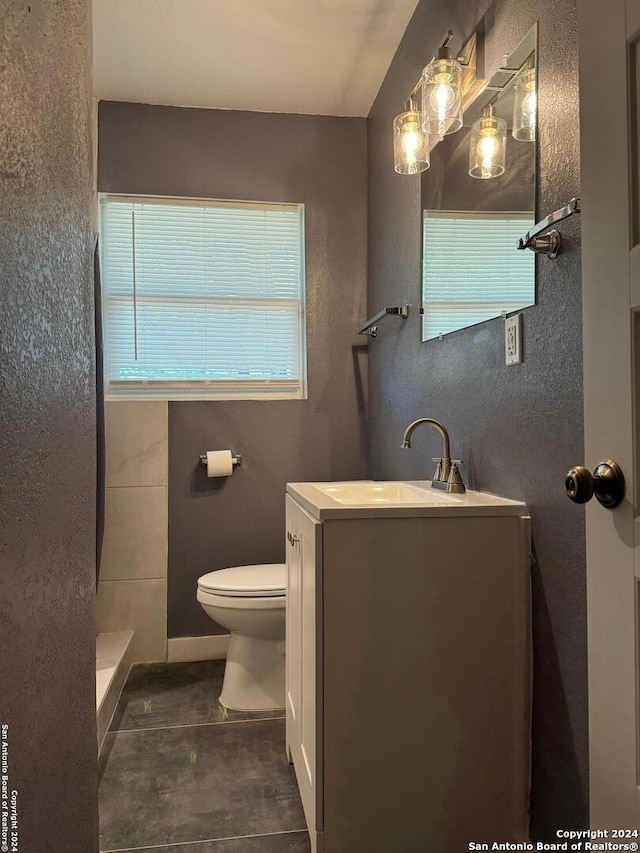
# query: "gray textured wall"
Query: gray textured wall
{"points": [[47, 437], [517, 428], [321, 162]]}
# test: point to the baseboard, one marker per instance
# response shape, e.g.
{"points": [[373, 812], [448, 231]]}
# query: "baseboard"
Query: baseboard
{"points": [[213, 647]]}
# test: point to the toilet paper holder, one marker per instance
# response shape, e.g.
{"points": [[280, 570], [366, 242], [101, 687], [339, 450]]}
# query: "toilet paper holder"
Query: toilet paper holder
{"points": [[236, 460]]}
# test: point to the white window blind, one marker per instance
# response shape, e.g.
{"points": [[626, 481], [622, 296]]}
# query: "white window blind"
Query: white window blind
{"points": [[203, 298], [471, 269]]}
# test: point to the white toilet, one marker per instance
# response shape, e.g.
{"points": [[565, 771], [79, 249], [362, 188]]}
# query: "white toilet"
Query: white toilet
{"points": [[250, 602]]}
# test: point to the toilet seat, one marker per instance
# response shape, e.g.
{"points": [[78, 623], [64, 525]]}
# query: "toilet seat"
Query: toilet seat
{"points": [[256, 581]]}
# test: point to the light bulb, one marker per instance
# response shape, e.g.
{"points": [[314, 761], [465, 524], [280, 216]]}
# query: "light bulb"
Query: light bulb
{"points": [[410, 144], [487, 150], [525, 106], [528, 109], [442, 99], [487, 154], [442, 96], [411, 141]]}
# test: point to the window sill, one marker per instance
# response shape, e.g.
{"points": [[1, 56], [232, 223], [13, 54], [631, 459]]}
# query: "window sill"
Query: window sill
{"points": [[177, 396]]}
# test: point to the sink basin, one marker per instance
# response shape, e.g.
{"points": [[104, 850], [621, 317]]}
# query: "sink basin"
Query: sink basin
{"points": [[395, 499], [367, 493]]}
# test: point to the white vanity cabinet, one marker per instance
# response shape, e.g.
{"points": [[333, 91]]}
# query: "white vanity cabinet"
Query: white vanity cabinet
{"points": [[408, 670], [304, 656]]}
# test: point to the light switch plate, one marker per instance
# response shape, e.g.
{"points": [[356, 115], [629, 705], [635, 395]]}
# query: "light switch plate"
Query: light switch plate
{"points": [[513, 339]]}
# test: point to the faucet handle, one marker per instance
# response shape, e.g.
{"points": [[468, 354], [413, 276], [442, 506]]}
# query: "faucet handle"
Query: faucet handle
{"points": [[438, 476], [455, 483]]}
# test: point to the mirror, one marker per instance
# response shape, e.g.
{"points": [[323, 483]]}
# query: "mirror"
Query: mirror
{"points": [[477, 199]]}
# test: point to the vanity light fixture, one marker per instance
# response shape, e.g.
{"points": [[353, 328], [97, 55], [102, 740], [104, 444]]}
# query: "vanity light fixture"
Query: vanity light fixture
{"points": [[411, 154], [442, 92], [525, 104], [487, 154], [436, 103]]}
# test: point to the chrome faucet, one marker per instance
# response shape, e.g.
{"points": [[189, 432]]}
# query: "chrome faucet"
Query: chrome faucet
{"points": [[447, 475]]}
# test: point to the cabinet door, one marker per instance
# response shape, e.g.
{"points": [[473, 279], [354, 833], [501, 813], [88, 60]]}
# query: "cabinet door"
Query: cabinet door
{"points": [[294, 630], [304, 657]]}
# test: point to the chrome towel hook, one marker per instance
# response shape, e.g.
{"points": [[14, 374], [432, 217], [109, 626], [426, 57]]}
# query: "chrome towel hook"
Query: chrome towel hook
{"points": [[550, 243]]}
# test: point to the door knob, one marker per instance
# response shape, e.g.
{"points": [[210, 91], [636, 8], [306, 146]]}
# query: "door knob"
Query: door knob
{"points": [[606, 483]]}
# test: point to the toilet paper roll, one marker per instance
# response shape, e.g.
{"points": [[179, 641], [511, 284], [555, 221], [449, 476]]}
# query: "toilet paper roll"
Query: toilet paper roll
{"points": [[219, 463]]}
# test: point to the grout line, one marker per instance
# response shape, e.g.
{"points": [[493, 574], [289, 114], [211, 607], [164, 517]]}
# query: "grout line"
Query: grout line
{"points": [[203, 841], [141, 486], [190, 725]]}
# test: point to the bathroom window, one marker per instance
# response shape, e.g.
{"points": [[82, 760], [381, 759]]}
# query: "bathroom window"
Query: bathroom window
{"points": [[202, 299]]}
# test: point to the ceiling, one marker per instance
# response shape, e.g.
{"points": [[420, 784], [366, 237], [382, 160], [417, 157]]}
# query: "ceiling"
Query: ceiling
{"points": [[324, 57]]}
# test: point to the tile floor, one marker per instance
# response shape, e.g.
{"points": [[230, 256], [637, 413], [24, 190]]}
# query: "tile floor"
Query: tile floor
{"points": [[180, 774]]}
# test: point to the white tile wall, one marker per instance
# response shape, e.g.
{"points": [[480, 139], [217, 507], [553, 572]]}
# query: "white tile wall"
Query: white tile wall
{"points": [[136, 441], [139, 606], [135, 540], [132, 594]]}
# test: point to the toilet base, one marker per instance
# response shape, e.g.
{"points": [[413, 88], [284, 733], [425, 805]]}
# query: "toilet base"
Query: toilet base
{"points": [[254, 676]]}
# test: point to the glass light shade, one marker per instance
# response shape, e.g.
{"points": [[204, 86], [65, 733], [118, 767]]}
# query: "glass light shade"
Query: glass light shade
{"points": [[525, 108], [488, 147], [410, 144], [442, 97]]}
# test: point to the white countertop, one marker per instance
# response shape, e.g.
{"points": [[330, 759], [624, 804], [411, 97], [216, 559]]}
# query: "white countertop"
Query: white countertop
{"points": [[434, 502]]}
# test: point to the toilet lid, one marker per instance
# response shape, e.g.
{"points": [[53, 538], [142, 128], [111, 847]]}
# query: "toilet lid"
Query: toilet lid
{"points": [[267, 579]]}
